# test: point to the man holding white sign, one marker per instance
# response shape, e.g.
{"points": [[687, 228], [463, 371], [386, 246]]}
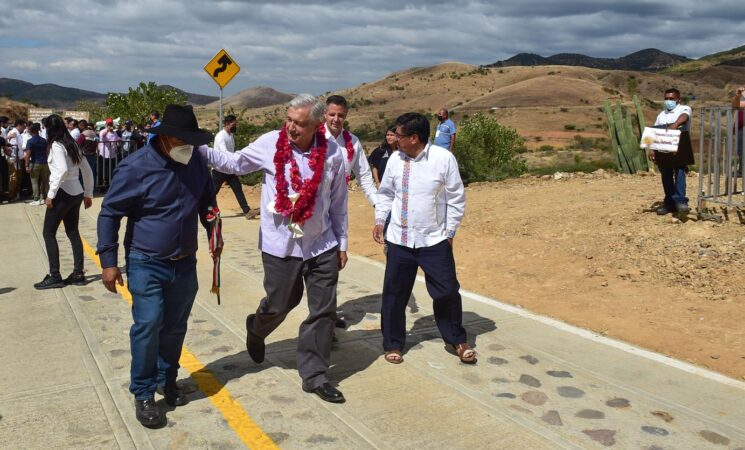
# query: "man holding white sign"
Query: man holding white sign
{"points": [[674, 165]]}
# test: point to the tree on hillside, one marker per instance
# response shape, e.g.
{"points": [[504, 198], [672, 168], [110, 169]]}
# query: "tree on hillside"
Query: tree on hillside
{"points": [[139, 102], [487, 151]]}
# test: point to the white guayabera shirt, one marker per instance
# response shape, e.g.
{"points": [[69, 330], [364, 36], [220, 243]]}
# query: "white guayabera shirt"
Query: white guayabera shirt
{"points": [[425, 197], [358, 165]]}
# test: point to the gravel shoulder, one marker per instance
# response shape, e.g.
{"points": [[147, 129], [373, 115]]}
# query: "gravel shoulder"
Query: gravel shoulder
{"points": [[585, 249]]}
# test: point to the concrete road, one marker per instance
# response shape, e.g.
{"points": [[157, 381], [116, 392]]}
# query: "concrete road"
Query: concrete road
{"points": [[539, 383]]}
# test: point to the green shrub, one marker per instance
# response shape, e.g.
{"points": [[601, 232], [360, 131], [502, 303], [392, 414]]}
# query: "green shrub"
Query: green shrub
{"points": [[570, 127], [486, 150]]}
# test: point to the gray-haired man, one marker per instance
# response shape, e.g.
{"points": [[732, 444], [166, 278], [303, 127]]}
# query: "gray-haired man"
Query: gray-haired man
{"points": [[303, 235]]}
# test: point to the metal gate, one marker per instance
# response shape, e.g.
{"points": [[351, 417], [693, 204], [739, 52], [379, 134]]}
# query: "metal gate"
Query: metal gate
{"points": [[721, 171]]}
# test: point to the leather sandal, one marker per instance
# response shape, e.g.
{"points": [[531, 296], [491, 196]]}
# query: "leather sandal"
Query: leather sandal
{"points": [[394, 356], [466, 354]]}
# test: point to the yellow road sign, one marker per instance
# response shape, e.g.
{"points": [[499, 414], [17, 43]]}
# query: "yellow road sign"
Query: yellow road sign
{"points": [[222, 68]]}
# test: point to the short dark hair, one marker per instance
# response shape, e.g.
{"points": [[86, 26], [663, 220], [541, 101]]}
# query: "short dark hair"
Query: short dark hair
{"points": [[34, 128], [68, 119], [155, 114], [337, 100], [414, 123], [230, 119], [83, 122], [673, 91], [20, 122], [4, 119]]}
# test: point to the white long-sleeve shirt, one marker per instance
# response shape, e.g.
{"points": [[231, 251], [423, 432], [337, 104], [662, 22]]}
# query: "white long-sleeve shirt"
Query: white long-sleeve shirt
{"points": [[224, 141], [358, 165], [425, 197], [64, 174]]}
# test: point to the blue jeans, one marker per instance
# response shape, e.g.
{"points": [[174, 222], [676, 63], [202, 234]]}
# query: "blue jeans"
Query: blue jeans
{"points": [[674, 185], [163, 293]]}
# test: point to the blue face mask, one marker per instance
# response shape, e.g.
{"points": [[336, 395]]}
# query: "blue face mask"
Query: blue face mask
{"points": [[670, 104]]}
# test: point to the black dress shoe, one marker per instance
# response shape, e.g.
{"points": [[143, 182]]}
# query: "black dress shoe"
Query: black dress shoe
{"points": [[327, 393], [254, 344], [340, 323], [148, 413], [682, 208], [662, 210], [50, 282], [173, 394], [76, 278]]}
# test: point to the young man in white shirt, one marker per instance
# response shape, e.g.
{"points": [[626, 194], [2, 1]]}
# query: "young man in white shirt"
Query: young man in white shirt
{"points": [[72, 127], [673, 167], [15, 172], [225, 142], [355, 160], [423, 192]]}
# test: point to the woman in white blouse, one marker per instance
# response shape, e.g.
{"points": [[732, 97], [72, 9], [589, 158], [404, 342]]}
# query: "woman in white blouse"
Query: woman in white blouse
{"points": [[66, 163]]}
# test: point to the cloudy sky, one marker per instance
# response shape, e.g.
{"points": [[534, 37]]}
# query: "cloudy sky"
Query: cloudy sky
{"points": [[315, 47]]}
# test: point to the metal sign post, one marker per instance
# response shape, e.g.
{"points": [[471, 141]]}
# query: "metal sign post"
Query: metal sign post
{"points": [[222, 68]]}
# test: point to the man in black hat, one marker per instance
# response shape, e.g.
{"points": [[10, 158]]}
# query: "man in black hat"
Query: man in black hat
{"points": [[162, 190]]}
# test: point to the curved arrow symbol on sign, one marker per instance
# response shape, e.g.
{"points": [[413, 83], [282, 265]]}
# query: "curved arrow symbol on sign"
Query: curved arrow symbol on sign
{"points": [[224, 62]]}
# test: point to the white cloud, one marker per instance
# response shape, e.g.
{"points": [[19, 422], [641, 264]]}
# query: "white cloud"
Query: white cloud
{"points": [[315, 46], [78, 64], [24, 64]]}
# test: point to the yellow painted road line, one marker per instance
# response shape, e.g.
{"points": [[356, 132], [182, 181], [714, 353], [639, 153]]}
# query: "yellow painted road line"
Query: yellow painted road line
{"points": [[244, 426]]}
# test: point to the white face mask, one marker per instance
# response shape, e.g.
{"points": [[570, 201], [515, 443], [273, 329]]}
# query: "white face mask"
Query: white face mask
{"points": [[181, 153]]}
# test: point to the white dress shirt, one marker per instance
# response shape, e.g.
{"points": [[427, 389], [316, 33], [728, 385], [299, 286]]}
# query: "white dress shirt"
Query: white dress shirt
{"points": [[670, 117], [425, 197], [65, 174], [326, 228], [358, 165], [224, 141]]}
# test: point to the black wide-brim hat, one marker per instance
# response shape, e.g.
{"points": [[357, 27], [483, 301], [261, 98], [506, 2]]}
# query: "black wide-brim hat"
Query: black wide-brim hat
{"points": [[180, 122]]}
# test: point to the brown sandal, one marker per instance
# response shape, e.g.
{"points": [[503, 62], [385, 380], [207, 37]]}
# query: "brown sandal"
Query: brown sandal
{"points": [[466, 354], [394, 357]]}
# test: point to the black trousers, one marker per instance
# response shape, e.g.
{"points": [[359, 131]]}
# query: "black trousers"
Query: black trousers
{"points": [[218, 178], [4, 174], [442, 284], [65, 209], [283, 282]]}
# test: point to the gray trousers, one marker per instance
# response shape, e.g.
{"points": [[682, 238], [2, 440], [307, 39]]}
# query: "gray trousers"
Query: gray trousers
{"points": [[283, 282]]}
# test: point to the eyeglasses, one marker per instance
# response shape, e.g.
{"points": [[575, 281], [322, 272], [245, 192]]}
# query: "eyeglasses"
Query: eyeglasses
{"points": [[400, 136]]}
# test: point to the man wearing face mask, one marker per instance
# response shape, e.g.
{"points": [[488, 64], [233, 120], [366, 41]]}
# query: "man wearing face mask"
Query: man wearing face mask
{"points": [[163, 190], [445, 133], [225, 142], [673, 166]]}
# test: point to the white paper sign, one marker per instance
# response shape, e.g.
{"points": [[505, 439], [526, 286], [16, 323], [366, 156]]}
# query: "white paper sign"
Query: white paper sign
{"points": [[660, 139]]}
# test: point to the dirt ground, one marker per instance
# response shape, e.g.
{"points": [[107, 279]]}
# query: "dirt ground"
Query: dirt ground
{"points": [[585, 249]]}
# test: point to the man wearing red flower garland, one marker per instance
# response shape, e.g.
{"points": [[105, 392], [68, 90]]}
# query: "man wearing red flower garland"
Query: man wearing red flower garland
{"points": [[355, 160], [303, 234]]}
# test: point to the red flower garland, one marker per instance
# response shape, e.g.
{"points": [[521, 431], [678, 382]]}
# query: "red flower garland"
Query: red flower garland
{"points": [[308, 188], [348, 144]]}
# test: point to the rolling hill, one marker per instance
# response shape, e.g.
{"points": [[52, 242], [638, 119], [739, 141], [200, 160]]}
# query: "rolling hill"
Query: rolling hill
{"points": [[46, 95], [60, 97], [255, 97], [549, 105], [647, 60], [734, 57]]}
